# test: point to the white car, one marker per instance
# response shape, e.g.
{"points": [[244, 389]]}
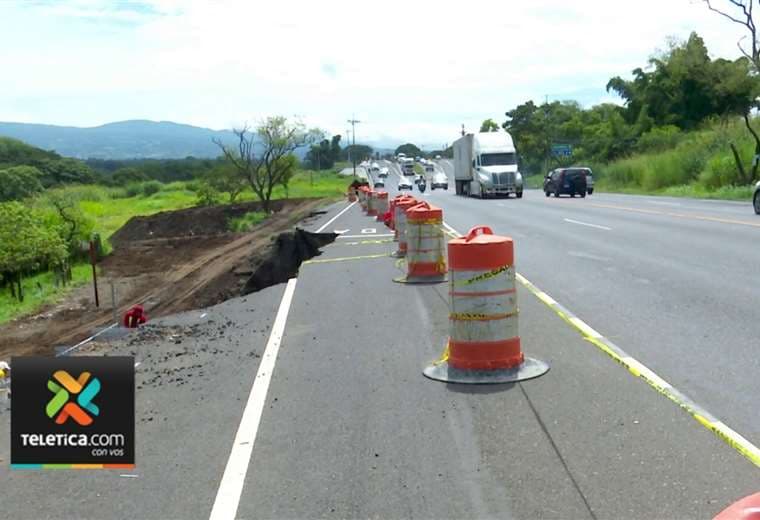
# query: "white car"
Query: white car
{"points": [[383, 172], [404, 184], [440, 181]]}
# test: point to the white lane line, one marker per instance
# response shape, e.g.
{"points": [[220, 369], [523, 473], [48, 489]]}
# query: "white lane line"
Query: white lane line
{"points": [[335, 217], [85, 341], [231, 486], [457, 233], [365, 235], [587, 224]]}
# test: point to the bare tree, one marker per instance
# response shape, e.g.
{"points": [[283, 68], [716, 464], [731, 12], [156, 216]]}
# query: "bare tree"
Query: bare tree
{"points": [[265, 157], [741, 12]]}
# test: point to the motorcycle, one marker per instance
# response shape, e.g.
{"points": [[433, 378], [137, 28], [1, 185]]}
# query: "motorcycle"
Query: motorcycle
{"points": [[421, 186]]}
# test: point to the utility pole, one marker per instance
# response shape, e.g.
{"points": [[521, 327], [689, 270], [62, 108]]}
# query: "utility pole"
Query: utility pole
{"points": [[353, 144], [348, 149]]}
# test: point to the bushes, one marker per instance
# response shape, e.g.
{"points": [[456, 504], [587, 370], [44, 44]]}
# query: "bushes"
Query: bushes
{"points": [[701, 157], [146, 189], [151, 187], [247, 221]]}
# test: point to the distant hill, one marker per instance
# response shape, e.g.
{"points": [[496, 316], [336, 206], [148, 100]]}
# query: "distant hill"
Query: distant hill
{"points": [[122, 140]]}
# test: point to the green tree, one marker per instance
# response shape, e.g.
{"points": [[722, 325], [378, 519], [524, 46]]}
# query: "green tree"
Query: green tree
{"points": [[63, 213], [358, 152], [19, 182], [14, 152], [225, 178], [26, 245], [64, 171], [276, 139], [741, 13], [335, 149], [409, 149], [489, 125], [129, 175]]}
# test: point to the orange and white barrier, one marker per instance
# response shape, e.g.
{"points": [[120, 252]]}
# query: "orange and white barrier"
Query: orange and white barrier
{"points": [[394, 217], [363, 196], [425, 260], [371, 203], [401, 207], [484, 342], [381, 204], [748, 508]]}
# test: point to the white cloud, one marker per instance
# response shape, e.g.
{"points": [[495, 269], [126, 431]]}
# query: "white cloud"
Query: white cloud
{"points": [[409, 70]]}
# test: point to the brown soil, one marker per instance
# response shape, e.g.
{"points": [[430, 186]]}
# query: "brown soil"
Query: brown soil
{"points": [[172, 262]]}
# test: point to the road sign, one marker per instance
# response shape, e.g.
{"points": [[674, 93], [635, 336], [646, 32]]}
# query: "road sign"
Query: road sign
{"points": [[562, 150]]}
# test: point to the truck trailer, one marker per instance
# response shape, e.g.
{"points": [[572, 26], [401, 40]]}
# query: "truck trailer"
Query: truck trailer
{"points": [[485, 165]]}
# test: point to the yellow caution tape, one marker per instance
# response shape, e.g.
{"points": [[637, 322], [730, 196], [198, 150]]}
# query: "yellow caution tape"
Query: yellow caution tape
{"points": [[328, 260], [469, 316], [481, 277], [431, 222], [444, 356], [718, 428], [440, 266]]}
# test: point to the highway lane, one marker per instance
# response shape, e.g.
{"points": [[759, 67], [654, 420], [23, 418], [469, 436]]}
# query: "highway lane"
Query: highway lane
{"points": [[674, 282], [351, 429]]}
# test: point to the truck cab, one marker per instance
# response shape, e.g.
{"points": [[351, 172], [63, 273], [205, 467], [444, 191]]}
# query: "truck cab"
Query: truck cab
{"points": [[485, 165]]}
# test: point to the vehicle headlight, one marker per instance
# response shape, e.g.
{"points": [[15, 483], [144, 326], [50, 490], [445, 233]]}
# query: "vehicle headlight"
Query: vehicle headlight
{"points": [[518, 176], [484, 177]]}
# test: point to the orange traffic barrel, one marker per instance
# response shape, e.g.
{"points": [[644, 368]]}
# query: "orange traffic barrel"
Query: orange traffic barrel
{"points": [[401, 207], [484, 343], [363, 192], [425, 260], [394, 201], [371, 203], [748, 508], [381, 204]]}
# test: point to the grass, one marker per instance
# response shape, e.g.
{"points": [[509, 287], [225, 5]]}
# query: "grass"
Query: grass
{"points": [[111, 208], [698, 164], [34, 299], [247, 221], [534, 182], [111, 214]]}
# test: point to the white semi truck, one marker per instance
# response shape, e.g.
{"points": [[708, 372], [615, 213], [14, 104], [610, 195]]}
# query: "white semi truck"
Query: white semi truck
{"points": [[485, 165]]}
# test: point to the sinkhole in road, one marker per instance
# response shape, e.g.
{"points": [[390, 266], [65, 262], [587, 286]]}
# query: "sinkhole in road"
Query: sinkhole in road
{"points": [[281, 260]]}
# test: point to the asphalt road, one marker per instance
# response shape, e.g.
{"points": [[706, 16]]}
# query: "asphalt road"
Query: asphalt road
{"points": [[351, 429], [675, 282]]}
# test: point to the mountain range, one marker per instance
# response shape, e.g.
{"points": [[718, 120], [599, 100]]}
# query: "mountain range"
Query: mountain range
{"points": [[122, 140]]}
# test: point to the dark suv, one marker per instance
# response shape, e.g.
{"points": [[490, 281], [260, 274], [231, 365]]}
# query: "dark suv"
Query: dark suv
{"points": [[570, 181]]}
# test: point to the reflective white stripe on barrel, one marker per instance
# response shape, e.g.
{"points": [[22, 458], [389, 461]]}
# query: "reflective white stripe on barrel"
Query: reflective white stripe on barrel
{"points": [[483, 305]]}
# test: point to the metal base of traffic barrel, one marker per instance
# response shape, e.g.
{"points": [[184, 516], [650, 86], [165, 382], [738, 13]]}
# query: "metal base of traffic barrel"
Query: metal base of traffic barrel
{"points": [[430, 279], [530, 368], [421, 280]]}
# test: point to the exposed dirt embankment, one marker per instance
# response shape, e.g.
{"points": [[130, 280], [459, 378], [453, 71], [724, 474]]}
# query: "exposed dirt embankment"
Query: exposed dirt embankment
{"points": [[176, 261]]}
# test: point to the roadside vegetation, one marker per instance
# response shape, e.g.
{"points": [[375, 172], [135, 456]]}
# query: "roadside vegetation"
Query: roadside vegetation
{"points": [[687, 127], [247, 221], [51, 207]]}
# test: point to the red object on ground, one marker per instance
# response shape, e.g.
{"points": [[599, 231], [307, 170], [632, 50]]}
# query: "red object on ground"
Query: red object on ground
{"points": [[135, 317], [387, 218], [748, 508]]}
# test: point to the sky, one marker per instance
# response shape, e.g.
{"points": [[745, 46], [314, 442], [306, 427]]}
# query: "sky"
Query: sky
{"points": [[409, 71]]}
